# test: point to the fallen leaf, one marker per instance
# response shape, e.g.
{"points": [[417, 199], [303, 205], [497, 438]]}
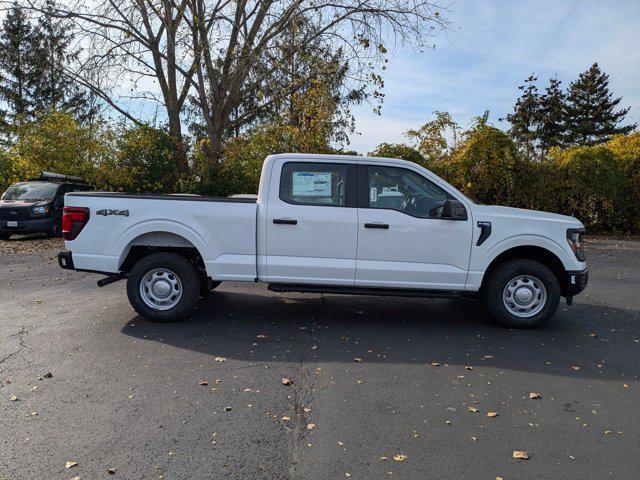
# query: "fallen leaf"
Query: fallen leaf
{"points": [[520, 455], [607, 432], [593, 335], [203, 382], [111, 471], [435, 364], [492, 414], [48, 375], [357, 359], [227, 409], [400, 457], [468, 367], [383, 458], [285, 418], [575, 368], [220, 359], [286, 381], [340, 443], [306, 410], [534, 396], [311, 426], [70, 464], [473, 409], [14, 398]]}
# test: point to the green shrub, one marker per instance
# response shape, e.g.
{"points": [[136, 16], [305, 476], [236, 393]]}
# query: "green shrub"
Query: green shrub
{"points": [[398, 150], [144, 161], [591, 184], [485, 166]]}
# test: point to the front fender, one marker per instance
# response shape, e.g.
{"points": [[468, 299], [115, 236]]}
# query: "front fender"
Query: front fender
{"points": [[524, 241]]}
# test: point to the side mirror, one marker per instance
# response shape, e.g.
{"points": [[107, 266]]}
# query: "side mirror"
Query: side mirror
{"points": [[453, 210]]}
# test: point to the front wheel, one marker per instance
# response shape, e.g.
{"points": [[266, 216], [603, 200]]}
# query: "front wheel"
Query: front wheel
{"points": [[163, 287], [522, 294], [56, 228]]}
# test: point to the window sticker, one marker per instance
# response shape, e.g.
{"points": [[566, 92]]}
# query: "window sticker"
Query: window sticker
{"points": [[311, 184], [373, 194]]}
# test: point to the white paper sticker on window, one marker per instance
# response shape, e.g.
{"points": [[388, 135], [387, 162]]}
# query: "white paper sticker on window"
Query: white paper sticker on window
{"points": [[373, 194], [311, 184]]}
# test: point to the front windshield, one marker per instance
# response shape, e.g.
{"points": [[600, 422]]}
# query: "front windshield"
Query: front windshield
{"points": [[31, 191]]}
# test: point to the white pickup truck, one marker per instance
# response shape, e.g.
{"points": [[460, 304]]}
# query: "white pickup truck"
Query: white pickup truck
{"points": [[329, 224]]}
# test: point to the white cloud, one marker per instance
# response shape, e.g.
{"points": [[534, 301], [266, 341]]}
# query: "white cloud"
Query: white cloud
{"points": [[493, 47]]}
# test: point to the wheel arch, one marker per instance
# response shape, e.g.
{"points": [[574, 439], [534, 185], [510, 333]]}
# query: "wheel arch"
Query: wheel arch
{"points": [[529, 252], [160, 241]]}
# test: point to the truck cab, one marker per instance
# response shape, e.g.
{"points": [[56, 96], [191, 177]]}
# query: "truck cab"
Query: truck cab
{"points": [[332, 224]]}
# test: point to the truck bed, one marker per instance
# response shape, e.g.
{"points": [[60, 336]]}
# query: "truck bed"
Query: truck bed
{"points": [[223, 230]]}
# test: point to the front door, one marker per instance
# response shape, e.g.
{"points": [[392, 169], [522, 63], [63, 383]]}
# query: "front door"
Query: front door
{"points": [[402, 241], [312, 223]]}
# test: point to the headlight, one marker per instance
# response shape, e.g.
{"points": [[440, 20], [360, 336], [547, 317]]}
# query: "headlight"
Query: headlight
{"points": [[40, 210], [575, 238]]}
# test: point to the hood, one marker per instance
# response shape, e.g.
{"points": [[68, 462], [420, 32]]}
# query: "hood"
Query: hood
{"points": [[522, 213], [19, 203]]}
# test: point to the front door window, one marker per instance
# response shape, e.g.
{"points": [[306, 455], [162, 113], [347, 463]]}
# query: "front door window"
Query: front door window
{"points": [[403, 190]]}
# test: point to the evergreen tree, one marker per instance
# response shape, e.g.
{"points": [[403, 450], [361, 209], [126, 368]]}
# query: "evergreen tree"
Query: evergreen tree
{"points": [[17, 71], [551, 119], [54, 90], [591, 115], [525, 117]]}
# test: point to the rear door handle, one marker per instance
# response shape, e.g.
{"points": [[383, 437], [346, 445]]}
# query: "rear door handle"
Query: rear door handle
{"points": [[382, 226], [285, 221]]}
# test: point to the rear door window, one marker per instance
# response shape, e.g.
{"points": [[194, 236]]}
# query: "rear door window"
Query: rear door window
{"points": [[319, 184]]}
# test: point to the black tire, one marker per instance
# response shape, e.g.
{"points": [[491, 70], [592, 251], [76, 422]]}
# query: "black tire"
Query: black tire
{"points": [[56, 228], [5, 236], [174, 264], [495, 298]]}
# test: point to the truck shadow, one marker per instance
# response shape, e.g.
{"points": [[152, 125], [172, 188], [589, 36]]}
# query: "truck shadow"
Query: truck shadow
{"points": [[255, 325]]}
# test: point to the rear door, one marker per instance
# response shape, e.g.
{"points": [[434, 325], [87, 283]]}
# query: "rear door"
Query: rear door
{"points": [[402, 241], [312, 223]]}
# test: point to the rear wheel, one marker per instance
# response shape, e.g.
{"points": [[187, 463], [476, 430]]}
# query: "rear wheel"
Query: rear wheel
{"points": [[522, 294], [163, 287]]}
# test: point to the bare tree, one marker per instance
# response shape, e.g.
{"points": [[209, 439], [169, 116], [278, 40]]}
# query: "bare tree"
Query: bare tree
{"points": [[221, 51], [231, 40]]}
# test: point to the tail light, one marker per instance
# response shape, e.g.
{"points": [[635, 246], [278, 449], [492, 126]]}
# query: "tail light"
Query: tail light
{"points": [[73, 221]]}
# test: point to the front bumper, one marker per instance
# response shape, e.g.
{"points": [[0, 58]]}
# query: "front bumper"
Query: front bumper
{"points": [[34, 225], [576, 282]]}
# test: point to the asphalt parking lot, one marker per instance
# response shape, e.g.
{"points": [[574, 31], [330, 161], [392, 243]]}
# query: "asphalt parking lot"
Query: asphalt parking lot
{"points": [[379, 387]]}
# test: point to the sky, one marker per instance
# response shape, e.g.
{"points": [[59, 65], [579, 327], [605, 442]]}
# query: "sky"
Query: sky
{"points": [[491, 48]]}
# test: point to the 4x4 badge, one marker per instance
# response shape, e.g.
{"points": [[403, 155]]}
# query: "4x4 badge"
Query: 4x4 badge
{"points": [[104, 212]]}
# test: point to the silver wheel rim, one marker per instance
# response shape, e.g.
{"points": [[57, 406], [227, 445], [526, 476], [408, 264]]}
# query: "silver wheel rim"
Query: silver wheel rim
{"points": [[160, 289], [524, 296]]}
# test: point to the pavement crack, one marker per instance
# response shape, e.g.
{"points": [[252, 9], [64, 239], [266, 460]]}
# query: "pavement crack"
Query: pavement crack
{"points": [[21, 344], [303, 396]]}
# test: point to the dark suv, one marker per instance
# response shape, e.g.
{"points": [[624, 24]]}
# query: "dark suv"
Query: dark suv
{"points": [[36, 206]]}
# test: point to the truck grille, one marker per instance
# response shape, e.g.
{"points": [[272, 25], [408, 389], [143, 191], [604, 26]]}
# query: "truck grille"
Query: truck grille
{"points": [[14, 214]]}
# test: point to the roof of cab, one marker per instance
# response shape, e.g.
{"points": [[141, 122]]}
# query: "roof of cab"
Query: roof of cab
{"points": [[344, 158]]}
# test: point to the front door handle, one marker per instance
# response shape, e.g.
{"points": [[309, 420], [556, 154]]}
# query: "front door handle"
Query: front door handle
{"points": [[382, 226], [285, 221]]}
